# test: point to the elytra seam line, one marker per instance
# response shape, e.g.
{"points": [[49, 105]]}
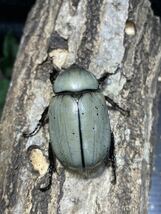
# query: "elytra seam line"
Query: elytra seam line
{"points": [[81, 141]]}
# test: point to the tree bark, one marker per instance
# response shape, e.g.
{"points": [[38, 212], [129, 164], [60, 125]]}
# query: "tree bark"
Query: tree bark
{"points": [[90, 34]]}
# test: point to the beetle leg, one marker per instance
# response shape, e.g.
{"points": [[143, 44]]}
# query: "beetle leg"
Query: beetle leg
{"points": [[41, 123], [111, 160], [51, 170], [54, 74], [103, 77], [116, 107], [106, 75]]}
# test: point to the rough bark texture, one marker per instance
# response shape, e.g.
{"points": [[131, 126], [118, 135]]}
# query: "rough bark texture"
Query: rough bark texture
{"points": [[90, 33]]}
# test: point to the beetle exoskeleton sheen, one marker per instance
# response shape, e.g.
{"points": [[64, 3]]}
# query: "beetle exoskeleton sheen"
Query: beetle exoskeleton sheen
{"points": [[79, 125]]}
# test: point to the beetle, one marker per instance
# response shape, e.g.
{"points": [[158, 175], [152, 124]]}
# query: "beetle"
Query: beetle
{"points": [[79, 124]]}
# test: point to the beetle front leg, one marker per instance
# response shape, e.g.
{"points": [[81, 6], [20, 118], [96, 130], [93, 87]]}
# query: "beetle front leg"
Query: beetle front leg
{"points": [[116, 107], [44, 119]]}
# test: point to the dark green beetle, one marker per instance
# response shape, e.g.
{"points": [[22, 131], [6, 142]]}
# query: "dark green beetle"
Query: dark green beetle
{"points": [[79, 124]]}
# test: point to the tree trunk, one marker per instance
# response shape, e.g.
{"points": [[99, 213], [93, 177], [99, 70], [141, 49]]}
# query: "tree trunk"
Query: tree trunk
{"points": [[90, 34]]}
